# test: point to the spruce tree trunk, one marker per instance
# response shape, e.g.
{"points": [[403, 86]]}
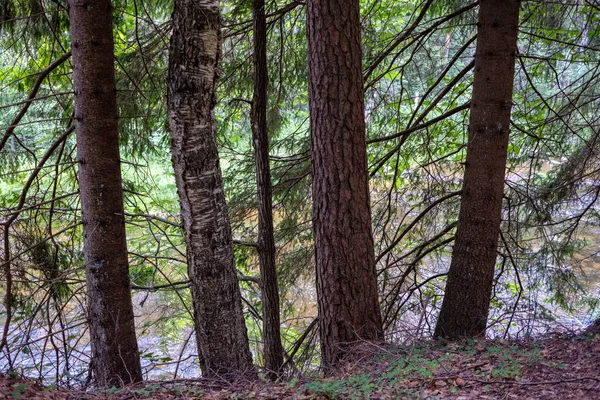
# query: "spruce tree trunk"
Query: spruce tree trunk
{"points": [[115, 356], [345, 263], [468, 289], [191, 95], [272, 347]]}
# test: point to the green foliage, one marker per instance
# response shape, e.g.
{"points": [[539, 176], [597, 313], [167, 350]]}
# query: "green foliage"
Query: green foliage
{"points": [[352, 387], [427, 369], [20, 389], [507, 365], [411, 78]]}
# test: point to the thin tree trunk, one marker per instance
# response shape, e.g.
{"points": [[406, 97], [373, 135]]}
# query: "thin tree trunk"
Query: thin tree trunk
{"points": [[272, 348], [219, 321], [345, 263], [115, 356], [470, 279]]}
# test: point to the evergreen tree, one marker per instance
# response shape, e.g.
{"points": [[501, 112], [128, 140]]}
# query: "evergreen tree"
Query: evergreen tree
{"points": [[115, 356], [345, 262], [273, 350], [470, 278]]}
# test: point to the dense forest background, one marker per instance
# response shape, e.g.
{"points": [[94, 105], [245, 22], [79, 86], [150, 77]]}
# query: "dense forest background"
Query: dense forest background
{"points": [[418, 65]]}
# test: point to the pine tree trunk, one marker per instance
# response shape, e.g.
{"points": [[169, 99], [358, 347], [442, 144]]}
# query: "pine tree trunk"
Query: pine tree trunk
{"points": [[272, 348], [115, 356], [219, 321], [346, 279], [468, 290]]}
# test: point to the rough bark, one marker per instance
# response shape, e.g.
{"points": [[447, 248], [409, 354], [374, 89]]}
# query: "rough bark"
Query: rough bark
{"points": [[466, 302], [594, 328], [272, 347], [346, 279], [115, 356], [194, 54]]}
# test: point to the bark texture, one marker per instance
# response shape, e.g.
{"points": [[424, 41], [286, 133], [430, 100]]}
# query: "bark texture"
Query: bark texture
{"points": [[272, 347], [194, 55], [468, 289], [345, 263], [112, 332]]}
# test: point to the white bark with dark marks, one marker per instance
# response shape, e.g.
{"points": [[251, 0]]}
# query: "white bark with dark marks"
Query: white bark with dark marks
{"points": [[193, 73]]}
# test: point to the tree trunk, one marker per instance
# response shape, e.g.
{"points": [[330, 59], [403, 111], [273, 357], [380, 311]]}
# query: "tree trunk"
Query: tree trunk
{"points": [[470, 279], [219, 321], [346, 279], [115, 356], [272, 348], [594, 328]]}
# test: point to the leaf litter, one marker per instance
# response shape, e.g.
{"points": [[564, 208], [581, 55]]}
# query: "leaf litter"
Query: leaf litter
{"points": [[553, 367]]}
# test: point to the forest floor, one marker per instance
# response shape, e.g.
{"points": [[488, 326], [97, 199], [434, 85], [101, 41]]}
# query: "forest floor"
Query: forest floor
{"points": [[554, 367]]}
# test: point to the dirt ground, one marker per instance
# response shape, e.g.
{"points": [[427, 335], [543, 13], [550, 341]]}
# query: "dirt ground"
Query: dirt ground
{"points": [[551, 368]]}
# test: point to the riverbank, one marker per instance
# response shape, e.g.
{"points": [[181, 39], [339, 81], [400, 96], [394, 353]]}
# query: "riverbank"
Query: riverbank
{"points": [[554, 367]]}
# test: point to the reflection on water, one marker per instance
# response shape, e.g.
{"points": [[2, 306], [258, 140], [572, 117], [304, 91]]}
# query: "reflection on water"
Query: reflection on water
{"points": [[63, 354], [585, 267], [587, 261], [170, 350]]}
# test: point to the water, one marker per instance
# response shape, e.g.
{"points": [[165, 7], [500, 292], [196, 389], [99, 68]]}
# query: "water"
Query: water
{"points": [[168, 348]]}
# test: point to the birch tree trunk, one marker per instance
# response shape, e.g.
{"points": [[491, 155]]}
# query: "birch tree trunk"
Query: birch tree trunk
{"points": [[193, 72]]}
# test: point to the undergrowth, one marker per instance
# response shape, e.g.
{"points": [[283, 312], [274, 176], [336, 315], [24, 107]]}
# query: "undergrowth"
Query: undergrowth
{"points": [[564, 368]]}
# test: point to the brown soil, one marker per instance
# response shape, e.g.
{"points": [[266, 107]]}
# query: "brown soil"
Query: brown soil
{"points": [[552, 368]]}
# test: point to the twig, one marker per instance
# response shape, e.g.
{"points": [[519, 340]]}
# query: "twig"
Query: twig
{"points": [[584, 378], [36, 87]]}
